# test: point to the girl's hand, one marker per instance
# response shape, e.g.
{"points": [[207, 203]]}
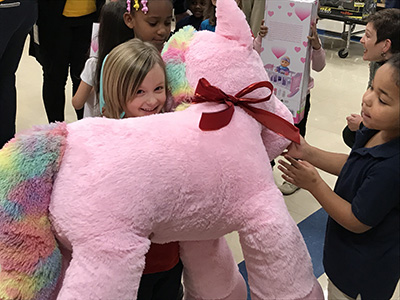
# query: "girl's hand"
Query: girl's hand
{"points": [[263, 29], [299, 173], [353, 122], [313, 38], [297, 151]]}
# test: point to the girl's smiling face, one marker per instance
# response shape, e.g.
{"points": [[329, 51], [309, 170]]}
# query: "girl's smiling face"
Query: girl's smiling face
{"points": [[150, 96], [381, 103]]}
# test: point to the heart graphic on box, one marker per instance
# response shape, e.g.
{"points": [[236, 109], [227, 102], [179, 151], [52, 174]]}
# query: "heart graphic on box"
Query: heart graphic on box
{"points": [[302, 13], [278, 51], [95, 46]]}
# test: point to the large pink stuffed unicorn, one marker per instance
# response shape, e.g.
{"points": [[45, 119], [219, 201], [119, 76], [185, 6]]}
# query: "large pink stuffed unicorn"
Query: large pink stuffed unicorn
{"points": [[190, 176]]}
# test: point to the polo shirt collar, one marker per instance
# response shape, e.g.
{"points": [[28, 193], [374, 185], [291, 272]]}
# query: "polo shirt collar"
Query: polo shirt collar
{"points": [[386, 150]]}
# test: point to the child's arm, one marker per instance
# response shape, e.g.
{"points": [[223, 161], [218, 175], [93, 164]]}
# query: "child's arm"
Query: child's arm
{"points": [[317, 53], [330, 162], [304, 175], [81, 95], [257, 41]]}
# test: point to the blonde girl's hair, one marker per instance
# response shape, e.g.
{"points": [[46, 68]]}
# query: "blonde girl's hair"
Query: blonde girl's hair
{"points": [[124, 71]]}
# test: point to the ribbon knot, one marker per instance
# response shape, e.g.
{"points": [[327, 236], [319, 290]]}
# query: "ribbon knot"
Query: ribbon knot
{"points": [[205, 92]]}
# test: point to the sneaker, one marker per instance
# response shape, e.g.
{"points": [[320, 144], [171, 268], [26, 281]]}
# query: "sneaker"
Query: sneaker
{"points": [[287, 188]]}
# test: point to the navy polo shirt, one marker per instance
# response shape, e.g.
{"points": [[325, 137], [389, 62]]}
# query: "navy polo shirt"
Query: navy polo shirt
{"points": [[367, 263], [189, 20]]}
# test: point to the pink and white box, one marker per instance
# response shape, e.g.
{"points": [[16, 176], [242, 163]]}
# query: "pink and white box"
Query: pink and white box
{"points": [[286, 52]]}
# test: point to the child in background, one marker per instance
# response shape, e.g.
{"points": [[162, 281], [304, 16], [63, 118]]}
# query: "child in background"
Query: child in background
{"points": [[150, 21], [133, 84], [210, 19], [317, 64], [211, 22], [196, 7], [85, 96], [380, 41], [112, 32], [362, 243]]}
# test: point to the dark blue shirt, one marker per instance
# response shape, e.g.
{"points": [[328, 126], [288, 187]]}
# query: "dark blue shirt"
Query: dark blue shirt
{"points": [[367, 263], [189, 20]]}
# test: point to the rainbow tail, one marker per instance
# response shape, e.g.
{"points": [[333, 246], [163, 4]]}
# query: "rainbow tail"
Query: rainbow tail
{"points": [[30, 260]]}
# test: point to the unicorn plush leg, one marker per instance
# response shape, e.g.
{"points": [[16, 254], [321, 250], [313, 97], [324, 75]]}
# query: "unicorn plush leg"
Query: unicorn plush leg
{"points": [[107, 267], [210, 271], [277, 260], [30, 260]]}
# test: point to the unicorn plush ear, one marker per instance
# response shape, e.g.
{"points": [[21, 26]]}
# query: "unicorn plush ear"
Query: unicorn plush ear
{"points": [[232, 24]]}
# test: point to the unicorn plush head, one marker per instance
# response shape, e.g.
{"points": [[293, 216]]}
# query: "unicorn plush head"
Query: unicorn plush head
{"points": [[227, 60]]}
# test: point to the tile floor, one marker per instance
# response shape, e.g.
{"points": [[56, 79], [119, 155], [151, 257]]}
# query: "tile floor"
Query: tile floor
{"points": [[337, 93]]}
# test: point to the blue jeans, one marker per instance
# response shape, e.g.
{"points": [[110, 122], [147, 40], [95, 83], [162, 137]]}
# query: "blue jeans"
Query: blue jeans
{"points": [[16, 20]]}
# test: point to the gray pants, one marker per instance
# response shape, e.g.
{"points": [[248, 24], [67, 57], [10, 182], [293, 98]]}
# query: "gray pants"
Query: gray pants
{"points": [[335, 294]]}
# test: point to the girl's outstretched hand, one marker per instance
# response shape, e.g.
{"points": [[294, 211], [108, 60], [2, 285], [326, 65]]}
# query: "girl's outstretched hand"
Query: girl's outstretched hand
{"points": [[299, 172]]}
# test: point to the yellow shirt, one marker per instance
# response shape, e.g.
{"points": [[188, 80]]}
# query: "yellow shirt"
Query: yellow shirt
{"points": [[79, 8]]}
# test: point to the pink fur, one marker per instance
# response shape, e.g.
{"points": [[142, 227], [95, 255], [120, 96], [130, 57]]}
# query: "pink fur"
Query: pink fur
{"points": [[121, 181]]}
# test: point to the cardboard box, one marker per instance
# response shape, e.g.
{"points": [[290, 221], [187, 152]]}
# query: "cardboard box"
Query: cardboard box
{"points": [[286, 53], [94, 45]]}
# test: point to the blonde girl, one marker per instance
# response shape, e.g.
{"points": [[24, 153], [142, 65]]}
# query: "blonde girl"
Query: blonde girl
{"points": [[129, 65], [133, 84]]}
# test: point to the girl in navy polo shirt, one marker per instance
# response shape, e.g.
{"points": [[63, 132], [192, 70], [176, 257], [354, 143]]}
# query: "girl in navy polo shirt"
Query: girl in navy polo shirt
{"points": [[362, 248]]}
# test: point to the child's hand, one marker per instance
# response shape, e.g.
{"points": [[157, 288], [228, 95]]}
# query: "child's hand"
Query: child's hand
{"points": [[297, 150], [313, 39], [300, 173], [353, 122], [263, 29]]}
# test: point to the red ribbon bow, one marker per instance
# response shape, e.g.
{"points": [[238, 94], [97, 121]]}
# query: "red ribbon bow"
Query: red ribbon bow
{"points": [[205, 92]]}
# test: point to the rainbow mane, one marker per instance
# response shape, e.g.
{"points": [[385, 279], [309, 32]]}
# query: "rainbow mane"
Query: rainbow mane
{"points": [[174, 56], [30, 260]]}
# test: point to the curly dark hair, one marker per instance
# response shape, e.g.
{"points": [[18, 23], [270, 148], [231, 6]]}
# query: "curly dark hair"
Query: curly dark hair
{"points": [[394, 61]]}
